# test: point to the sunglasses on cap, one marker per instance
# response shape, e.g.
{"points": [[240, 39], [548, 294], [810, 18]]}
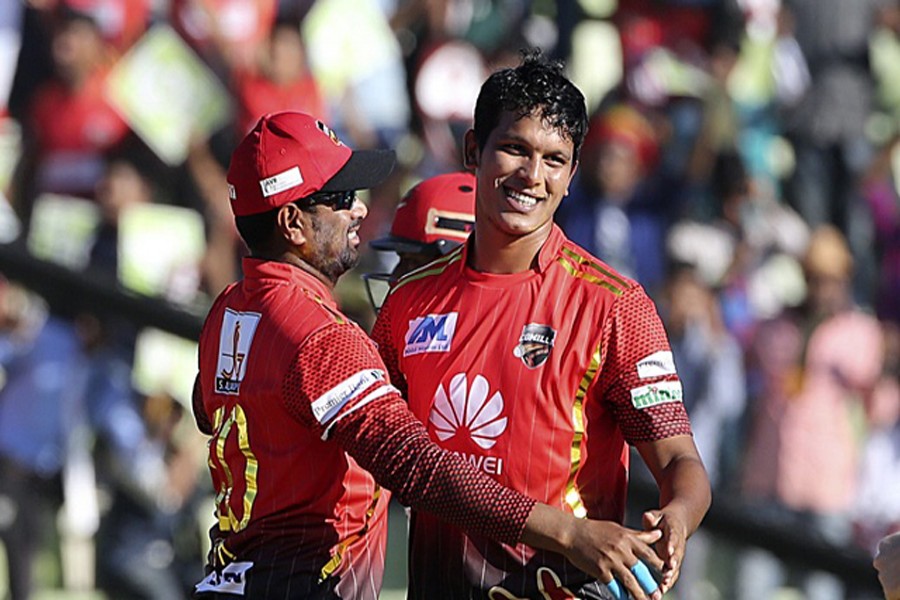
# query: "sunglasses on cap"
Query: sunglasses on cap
{"points": [[336, 200]]}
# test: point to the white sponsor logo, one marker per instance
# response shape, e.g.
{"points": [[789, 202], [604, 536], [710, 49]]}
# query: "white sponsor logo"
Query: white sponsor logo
{"points": [[235, 338], [431, 333], [469, 409], [281, 181], [328, 404], [230, 581], [656, 365], [232, 193], [656, 393]]}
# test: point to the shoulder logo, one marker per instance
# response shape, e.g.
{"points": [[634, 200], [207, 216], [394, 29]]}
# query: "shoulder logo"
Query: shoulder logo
{"points": [[235, 338], [535, 344], [469, 410], [656, 365], [431, 333]]}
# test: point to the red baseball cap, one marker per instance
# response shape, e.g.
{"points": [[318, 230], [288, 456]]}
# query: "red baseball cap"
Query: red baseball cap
{"points": [[438, 211], [290, 155]]}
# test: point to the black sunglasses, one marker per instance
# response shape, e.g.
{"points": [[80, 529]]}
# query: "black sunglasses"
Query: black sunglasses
{"points": [[336, 200]]}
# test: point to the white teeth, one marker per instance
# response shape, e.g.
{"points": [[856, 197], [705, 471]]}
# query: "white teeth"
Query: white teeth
{"points": [[522, 199]]}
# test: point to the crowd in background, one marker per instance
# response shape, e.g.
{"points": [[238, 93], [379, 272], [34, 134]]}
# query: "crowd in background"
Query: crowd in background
{"points": [[742, 164]]}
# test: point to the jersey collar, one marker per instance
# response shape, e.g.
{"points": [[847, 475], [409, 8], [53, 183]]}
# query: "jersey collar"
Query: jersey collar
{"points": [[258, 268], [546, 255]]}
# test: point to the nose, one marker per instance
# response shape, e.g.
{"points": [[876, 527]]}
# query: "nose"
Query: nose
{"points": [[531, 170], [359, 210]]}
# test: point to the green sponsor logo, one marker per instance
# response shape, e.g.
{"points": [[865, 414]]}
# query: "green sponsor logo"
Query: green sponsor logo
{"points": [[657, 393]]}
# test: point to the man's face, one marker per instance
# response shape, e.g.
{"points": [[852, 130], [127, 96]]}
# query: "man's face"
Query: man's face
{"points": [[523, 173], [332, 245]]}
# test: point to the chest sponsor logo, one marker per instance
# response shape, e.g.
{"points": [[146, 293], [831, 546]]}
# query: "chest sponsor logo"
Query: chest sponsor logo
{"points": [[656, 393], [471, 411], [535, 344], [656, 365], [230, 580], [235, 339], [432, 333]]}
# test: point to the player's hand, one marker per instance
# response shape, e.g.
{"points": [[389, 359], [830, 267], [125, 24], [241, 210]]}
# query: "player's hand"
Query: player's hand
{"points": [[609, 552], [671, 545]]}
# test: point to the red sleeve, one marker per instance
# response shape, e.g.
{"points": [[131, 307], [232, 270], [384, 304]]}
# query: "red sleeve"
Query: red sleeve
{"points": [[382, 334], [638, 375], [200, 417], [335, 389]]}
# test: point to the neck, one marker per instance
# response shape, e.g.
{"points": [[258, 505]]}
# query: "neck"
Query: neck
{"points": [[292, 259], [504, 254]]}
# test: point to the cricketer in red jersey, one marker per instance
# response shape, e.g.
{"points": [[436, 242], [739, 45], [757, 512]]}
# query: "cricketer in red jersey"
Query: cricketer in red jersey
{"points": [[305, 424], [539, 364]]}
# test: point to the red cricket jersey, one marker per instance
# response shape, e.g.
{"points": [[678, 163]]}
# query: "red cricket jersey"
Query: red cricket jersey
{"points": [[293, 508], [540, 379]]}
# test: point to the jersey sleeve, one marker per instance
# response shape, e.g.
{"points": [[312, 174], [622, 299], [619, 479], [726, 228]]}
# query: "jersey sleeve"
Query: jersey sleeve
{"points": [[336, 371], [382, 333], [337, 387], [638, 376]]}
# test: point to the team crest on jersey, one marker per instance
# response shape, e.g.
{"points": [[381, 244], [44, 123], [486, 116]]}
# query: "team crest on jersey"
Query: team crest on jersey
{"points": [[431, 333], [235, 338], [535, 344]]}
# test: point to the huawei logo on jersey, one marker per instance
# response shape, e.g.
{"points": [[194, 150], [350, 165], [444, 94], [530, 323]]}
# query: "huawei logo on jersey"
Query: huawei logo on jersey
{"points": [[468, 409]]}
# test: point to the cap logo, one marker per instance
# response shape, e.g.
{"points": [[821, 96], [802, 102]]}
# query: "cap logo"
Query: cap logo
{"points": [[327, 131], [232, 193], [281, 181]]}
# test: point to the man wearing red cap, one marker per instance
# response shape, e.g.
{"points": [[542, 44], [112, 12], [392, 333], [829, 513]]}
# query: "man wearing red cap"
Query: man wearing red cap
{"points": [[433, 217], [540, 365], [305, 425]]}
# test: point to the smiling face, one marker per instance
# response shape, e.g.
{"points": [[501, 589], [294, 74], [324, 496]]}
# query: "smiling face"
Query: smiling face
{"points": [[523, 172]]}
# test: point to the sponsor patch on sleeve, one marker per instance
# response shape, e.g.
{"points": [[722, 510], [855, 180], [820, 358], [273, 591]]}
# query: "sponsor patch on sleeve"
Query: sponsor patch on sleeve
{"points": [[656, 393], [326, 406], [656, 365]]}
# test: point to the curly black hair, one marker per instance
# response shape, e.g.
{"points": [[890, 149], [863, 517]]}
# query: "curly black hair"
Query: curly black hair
{"points": [[537, 86]]}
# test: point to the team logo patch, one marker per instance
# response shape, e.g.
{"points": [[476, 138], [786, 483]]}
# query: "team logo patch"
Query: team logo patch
{"points": [[326, 406], [235, 338], [656, 365], [470, 409], [656, 393], [231, 580], [328, 131], [431, 333], [535, 344]]}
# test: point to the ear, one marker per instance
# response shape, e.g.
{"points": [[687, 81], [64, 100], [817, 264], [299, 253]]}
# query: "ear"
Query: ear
{"points": [[291, 223], [470, 150]]}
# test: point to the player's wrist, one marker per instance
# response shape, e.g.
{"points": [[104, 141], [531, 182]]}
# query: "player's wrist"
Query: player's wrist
{"points": [[549, 528]]}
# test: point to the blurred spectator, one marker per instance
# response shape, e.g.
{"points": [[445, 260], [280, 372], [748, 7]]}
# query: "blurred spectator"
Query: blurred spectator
{"points": [[879, 188], [617, 205], [711, 368], [825, 122], [710, 364], [279, 80], [70, 122], [145, 548], [815, 368], [877, 508], [227, 33]]}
